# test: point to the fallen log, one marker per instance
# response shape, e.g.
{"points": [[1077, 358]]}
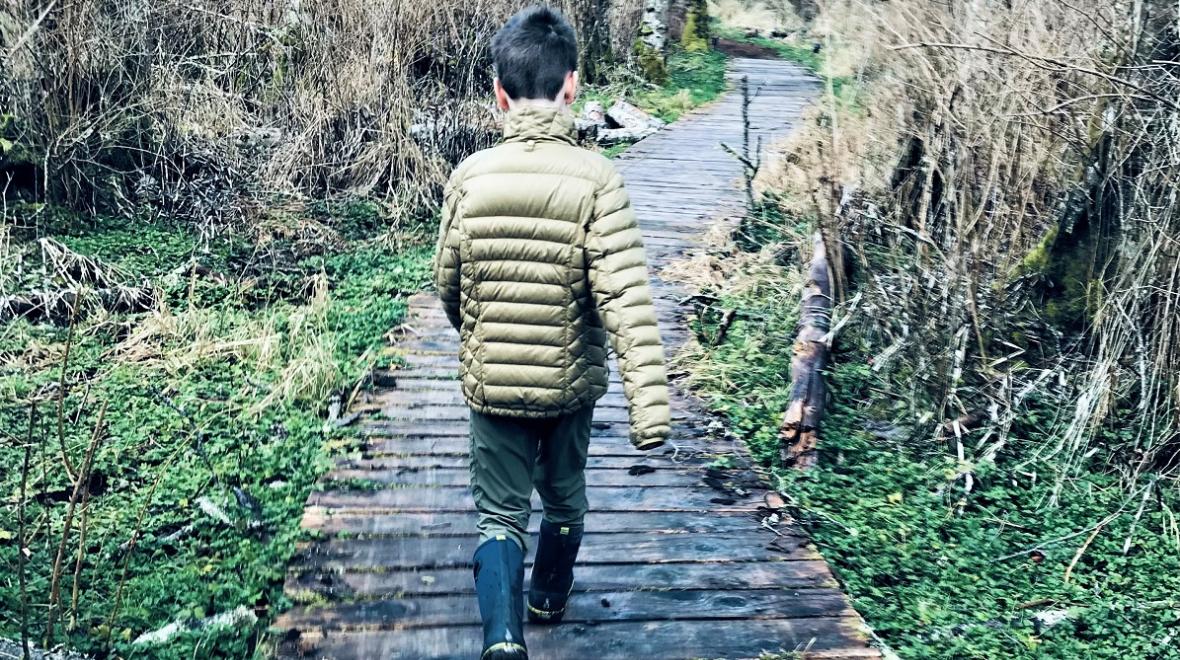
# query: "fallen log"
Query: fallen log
{"points": [[57, 307], [799, 433], [621, 123]]}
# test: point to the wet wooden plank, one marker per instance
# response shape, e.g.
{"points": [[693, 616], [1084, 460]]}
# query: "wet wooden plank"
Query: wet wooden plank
{"points": [[602, 498], [663, 478], [443, 414], [593, 608], [452, 396], [410, 463], [399, 553], [461, 523], [604, 445], [626, 640], [332, 586]]}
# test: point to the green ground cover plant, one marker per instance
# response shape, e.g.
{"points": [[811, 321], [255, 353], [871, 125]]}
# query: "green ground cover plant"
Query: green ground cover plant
{"points": [[694, 78], [1010, 568], [213, 407]]}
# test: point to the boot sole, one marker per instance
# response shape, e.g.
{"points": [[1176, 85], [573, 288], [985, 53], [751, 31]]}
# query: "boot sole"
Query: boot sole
{"points": [[505, 651], [542, 616]]}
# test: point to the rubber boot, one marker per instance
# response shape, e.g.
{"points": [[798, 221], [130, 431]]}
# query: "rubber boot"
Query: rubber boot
{"points": [[553, 571], [499, 586]]}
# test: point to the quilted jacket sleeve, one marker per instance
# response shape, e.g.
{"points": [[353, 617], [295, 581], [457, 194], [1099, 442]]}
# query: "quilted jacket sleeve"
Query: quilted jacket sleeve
{"points": [[446, 258], [619, 281]]}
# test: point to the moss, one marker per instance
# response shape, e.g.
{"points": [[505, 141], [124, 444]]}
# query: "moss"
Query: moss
{"points": [[1036, 262], [695, 38], [651, 62]]}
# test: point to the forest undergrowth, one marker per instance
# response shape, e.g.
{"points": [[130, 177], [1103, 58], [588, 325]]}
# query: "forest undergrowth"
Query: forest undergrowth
{"points": [[996, 474]]}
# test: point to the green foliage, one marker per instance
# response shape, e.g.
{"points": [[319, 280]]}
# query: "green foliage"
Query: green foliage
{"points": [[694, 78], [695, 37], [943, 572], [937, 569], [215, 429], [1036, 262], [650, 62], [691, 80], [12, 150]]}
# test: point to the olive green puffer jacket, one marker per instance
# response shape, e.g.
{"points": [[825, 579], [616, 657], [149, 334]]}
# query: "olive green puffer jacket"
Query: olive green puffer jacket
{"points": [[539, 260]]}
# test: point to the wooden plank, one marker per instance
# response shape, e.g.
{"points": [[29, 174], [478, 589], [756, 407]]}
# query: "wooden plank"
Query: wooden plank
{"points": [[625, 640], [399, 553], [441, 414], [420, 428], [604, 445], [660, 478], [462, 523], [452, 396], [602, 498], [332, 586], [462, 463], [592, 608]]}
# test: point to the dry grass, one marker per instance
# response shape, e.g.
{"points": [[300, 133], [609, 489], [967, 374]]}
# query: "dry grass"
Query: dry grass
{"points": [[1006, 192], [211, 111], [761, 16]]}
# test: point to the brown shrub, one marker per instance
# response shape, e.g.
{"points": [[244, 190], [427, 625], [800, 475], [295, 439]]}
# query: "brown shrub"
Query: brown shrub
{"points": [[1005, 187], [209, 110]]}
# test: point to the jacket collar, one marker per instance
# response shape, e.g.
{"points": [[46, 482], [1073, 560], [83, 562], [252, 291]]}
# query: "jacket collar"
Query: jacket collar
{"points": [[545, 124]]}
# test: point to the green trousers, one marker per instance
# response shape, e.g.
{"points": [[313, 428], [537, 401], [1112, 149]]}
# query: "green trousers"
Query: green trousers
{"points": [[510, 456]]}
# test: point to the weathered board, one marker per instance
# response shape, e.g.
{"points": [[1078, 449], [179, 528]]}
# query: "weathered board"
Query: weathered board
{"points": [[679, 559]]}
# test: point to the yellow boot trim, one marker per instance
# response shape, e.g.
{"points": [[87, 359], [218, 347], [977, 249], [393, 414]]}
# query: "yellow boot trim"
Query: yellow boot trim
{"points": [[504, 646], [544, 614]]}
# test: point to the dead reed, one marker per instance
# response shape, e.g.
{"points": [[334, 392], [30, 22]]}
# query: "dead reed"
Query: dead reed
{"points": [[1006, 190], [212, 111]]}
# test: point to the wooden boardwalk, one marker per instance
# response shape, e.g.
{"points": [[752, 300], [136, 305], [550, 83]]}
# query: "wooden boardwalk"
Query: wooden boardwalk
{"points": [[678, 560]]}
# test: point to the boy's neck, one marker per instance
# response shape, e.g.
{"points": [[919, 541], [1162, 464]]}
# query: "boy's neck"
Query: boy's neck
{"points": [[539, 104]]}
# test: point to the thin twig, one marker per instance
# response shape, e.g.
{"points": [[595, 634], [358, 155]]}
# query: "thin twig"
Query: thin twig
{"points": [[83, 475], [61, 391], [1080, 552], [21, 541], [1042, 62]]}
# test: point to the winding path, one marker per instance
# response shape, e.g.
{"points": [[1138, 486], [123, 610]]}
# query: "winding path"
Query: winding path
{"points": [[677, 561]]}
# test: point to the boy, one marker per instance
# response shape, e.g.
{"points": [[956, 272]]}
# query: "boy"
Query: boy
{"points": [[539, 261]]}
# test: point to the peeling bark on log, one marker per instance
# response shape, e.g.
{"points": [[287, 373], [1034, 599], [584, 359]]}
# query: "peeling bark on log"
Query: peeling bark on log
{"points": [[622, 123], [628, 116], [799, 433]]}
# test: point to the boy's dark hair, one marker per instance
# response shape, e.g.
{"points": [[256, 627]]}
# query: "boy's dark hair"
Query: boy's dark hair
{"points": [[533, 52]]}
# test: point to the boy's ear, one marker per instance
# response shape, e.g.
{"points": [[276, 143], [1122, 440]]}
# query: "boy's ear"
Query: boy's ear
{"points": [[570, 89], [501, 95]]}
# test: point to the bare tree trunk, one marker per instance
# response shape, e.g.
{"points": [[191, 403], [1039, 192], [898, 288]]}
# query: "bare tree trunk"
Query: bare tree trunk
{"points": [[677, 17], [651, 48], [799, 433]]}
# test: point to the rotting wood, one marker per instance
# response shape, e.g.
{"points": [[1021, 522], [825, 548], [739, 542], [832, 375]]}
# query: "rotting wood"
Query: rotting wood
{"points": [[799, 433], [382, 554], [654, 605], [826, 638], [747, 576], [460, 523]]}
